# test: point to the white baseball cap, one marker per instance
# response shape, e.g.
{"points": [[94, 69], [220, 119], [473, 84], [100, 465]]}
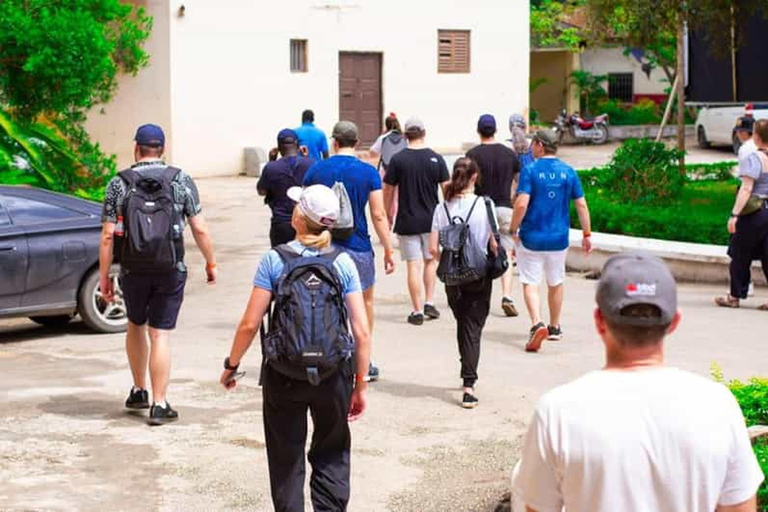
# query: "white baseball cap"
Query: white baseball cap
{"points": [[318, 202]]}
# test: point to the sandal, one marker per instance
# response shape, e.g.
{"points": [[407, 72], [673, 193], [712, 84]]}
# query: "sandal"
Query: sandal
{"points": [[727, 302]]}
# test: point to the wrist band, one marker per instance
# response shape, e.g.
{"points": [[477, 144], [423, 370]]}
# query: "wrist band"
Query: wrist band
{"points": [[359, 378], [388, 252], [587, 234], [210, 266]]}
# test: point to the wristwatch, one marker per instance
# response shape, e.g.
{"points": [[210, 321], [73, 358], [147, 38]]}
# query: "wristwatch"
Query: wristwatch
{"points": [[229, 367], [734, 216]]}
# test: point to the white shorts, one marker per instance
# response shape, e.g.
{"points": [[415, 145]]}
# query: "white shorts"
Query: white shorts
{"points": [[504, 218], [414, 247], [531, 265]]}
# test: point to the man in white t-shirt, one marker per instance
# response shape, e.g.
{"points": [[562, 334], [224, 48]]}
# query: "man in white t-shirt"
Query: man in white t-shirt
{"points": [[637, 436]]}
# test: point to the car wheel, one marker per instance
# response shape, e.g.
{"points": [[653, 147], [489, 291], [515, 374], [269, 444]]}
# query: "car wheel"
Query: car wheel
{"points": [[96, 312], [602, 136], [736, 144], [52, 320], [701, 137]]}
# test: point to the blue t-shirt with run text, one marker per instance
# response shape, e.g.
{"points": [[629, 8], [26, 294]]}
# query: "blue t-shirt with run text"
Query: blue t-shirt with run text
{"points": [[552, 184], [360, 179], [314, 138]]}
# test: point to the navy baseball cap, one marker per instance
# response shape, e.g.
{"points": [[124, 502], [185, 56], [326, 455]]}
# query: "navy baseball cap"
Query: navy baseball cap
{"points": [[150, 135], [486, 121], [287, 136]]}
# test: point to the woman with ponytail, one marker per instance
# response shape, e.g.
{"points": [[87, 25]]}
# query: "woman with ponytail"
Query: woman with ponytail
{"points": [[336, 399], [387, 145], [469, 303]]}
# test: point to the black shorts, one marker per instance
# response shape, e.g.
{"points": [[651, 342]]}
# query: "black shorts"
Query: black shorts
{"points": [[154, 298]]}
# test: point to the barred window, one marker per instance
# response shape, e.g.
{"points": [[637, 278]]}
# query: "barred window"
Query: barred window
{"points": [[621, 87], [298, 55], [453, 51]]}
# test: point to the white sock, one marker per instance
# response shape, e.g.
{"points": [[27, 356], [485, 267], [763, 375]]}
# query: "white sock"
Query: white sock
{"points": [[506, 297], [162, 405], [136, 389], [429, 304]]}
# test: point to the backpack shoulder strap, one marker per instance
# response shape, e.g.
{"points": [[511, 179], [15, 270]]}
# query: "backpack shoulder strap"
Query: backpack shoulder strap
{"points": [[491, 218], [286, 253], [129, 176], [472, 209], [170, 173]]}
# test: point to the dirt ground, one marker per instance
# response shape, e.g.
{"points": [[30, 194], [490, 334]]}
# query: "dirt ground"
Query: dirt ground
{"points": [[66, 443]]}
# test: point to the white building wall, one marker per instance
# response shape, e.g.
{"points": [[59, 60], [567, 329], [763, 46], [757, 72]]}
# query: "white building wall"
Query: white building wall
{"points": [[220, 76], [602, 61], [145, 98], [232, 86]]}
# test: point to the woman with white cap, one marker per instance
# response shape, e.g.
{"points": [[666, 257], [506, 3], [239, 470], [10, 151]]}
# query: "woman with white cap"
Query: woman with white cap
{"points": [[334, 397]]}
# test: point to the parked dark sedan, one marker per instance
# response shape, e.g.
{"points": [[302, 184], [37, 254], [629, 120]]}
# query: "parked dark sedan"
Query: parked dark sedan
{"points": [[49, 260]]}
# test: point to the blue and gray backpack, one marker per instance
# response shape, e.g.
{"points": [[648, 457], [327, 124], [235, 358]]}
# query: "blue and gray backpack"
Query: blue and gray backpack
{"points": [[308, 337]]}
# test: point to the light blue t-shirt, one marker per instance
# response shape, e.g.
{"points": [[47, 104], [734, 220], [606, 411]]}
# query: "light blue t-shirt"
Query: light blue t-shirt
{"points": [[271, 267], [552, 184], [314, 138], [752, 167]]}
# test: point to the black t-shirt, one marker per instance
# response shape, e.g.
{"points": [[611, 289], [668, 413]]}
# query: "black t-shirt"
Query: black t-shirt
{"points": [[498, 167], [417, 173], [276, 178]]}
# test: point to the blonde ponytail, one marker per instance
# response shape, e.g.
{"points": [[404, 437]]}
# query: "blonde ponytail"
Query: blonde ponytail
{"points": [[316, 236]]}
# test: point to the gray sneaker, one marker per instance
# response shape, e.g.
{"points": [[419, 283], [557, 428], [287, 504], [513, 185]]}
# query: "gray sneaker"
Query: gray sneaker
{"points": [[416, 318]]}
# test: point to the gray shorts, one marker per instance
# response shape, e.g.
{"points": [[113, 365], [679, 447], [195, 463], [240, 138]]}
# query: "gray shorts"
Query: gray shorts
{"points": [[504, 218], [414, 247]]}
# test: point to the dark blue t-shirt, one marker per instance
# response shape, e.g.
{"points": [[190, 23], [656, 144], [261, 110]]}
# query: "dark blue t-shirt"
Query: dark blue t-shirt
{"points": [[314, 138], [360, 179], [276, 178], [552, 184]]}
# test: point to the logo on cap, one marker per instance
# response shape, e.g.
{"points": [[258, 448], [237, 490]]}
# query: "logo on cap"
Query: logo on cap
{"points": [[641, 290]]}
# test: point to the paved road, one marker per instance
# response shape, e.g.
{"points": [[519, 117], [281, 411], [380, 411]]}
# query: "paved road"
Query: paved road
{"points": [[67, 444]]}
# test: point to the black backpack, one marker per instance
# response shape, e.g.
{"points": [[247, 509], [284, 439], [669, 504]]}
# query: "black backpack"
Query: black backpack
{"points": [[308, 337], [153, 240], [463, 260]]}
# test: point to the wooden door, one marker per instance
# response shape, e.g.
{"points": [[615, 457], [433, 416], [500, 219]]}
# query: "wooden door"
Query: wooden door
{"points": [[360, 93]]}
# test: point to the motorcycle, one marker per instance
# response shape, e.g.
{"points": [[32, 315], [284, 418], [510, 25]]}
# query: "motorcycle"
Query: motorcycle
{"points": [[580, 129]]}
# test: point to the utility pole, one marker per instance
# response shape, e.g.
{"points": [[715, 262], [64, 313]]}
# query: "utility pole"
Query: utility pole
{"points": [[681, 84]]}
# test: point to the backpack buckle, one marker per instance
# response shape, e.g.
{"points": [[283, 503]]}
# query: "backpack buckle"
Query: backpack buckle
{"points": [[313, 376]]}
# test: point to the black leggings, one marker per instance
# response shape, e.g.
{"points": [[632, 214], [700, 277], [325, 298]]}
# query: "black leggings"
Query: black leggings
{"points": [[470, 305], [750, 242]]}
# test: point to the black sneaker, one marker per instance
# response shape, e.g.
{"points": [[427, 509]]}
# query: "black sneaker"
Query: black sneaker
{"points": [[555, 333], [431, 311], [539, 333], [373, 374], [416, 318], [469, 401], [138, 399], [162, 415], [509, 307]]}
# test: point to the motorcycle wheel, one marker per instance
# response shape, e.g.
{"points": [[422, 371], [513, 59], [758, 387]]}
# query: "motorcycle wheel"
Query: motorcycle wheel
{"points": [[602, 136]]}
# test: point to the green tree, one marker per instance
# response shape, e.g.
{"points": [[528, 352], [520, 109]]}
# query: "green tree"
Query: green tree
{"points": [[58, 59], [658, 26], [549, 25]]}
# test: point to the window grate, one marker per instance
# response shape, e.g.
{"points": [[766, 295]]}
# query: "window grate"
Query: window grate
{"points": [[453, 51], [298, 55], [621, 87]]}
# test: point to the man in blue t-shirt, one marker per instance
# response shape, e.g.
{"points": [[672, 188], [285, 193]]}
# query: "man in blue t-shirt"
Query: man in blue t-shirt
{"points": [[276, 178], [540, 225], [363, 185], [312, 137]]}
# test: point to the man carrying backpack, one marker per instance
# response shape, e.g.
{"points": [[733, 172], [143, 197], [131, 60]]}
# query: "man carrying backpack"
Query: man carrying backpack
{"points": [[416, 171], [145, 211], [309, 356], [276, 178]]}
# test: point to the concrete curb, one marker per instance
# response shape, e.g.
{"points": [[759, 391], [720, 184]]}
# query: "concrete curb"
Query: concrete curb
{"points": [[701, 263], [644, 131]]}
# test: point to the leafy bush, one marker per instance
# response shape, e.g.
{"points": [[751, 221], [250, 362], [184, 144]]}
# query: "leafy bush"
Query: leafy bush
{"points": [[752, 397], [698, 215], [643, 112], [719, 171], [645, 172]]}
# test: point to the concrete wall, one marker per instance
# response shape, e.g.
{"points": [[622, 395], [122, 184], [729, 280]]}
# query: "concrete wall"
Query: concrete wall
{"points": [[145, 98], [232, 86], [556, 93], [602, 61], [220, 79]]}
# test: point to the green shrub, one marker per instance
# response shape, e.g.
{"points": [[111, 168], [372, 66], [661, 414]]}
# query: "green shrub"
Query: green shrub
{"points": [[718, 171], [752, 397], [643, 112], [643, 171]]}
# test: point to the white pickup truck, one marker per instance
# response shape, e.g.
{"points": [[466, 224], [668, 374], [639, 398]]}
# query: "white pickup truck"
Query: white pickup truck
{"points": [[715, 123]]}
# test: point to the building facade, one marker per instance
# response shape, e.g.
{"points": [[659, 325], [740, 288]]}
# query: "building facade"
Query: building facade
{"points": [[229, 75]]}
